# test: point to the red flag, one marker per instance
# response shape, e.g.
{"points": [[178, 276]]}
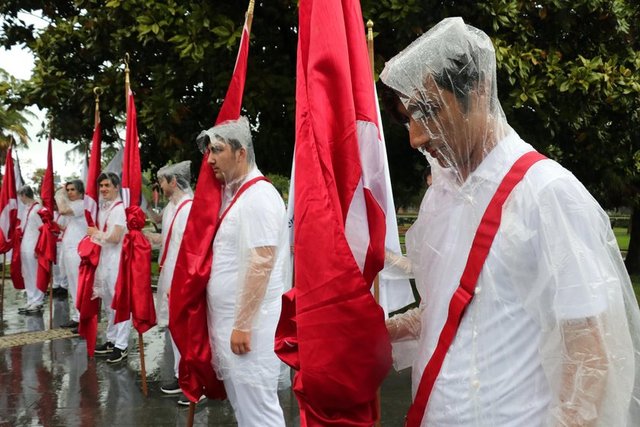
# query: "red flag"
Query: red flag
{"points": [[46, 245], [187, 301], [133, 297], [331, 329], [8, 206], [90, 252]]}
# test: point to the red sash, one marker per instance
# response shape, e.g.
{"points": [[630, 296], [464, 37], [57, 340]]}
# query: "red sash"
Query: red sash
{"points": [[165, 247], [242, 189], [462, 297], [104, 227]]}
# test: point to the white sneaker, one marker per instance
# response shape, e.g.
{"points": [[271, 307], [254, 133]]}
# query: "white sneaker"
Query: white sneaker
{"points": [[184, 401], [33, 308]]}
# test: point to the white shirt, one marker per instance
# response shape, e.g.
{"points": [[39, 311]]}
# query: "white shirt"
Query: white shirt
{"points": [[172, 248], [30, 226], [109, 264], [257, 219], [76, 227], [554, 258]]}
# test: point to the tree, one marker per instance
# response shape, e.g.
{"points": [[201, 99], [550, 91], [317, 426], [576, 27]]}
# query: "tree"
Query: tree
{"points": [[12, 119], [567, 71]]}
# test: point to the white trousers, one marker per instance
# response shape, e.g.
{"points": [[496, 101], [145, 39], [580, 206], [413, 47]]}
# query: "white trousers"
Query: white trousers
{"points": [[59, 276], [176, 356], [29, 275], [71, 265], [254, 406], [117, 333]]}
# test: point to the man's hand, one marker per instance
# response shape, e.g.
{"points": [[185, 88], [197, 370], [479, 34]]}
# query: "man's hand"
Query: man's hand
{"points": [[240, 342], [91, 231]]}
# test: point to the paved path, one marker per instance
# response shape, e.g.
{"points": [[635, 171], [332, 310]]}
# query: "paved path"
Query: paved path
{"points": [[47, 380]]}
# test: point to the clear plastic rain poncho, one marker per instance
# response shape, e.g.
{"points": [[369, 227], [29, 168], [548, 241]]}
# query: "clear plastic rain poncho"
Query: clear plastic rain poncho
{"points": [[249, 261], [176, 221], [551, 336]]}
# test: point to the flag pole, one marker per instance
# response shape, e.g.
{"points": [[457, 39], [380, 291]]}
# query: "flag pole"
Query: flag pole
{"points": [[376, 281], [50, 265], [143, 371]]}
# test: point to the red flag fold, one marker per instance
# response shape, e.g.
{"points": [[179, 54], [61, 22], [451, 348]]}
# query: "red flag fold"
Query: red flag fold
{"points": [[8, 206], [46, 245], [133, 297], [331, 329], [90, 252], [188, 302]]}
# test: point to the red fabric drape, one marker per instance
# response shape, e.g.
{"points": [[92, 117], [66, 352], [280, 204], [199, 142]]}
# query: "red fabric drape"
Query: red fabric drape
{"points": [[331, 328], [46, 248], [187, 301], [16, 261], [133, 297], [8, 205], [135, 269], [90, 252], [85, 303]]}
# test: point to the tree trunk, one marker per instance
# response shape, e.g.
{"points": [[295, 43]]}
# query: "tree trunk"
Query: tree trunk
{"points": [[632, 261]]}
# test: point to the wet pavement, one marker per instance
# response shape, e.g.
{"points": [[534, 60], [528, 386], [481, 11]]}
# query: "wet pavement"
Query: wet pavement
{"points": [[53, 383]]}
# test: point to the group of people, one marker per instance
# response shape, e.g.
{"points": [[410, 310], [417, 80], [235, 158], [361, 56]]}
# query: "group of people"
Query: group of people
{"points": [[545, 324]]}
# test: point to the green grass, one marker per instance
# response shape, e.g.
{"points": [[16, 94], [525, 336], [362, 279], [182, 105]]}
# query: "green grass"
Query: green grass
{"points": [[622, 236]]}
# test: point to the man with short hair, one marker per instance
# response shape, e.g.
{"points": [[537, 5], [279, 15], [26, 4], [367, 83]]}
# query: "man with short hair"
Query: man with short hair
{"points": [[244, 292], [30, 223], [174, 182], [71, 207], [528, 317], [109, 233]]}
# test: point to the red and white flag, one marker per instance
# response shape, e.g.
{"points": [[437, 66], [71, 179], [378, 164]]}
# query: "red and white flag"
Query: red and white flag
{"points": [[187, 300], [332, 330], [8, 206], [46, 245], [90, 252], [133, 297]]}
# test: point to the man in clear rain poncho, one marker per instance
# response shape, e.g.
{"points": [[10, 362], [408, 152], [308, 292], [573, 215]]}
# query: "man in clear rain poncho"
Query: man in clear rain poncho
{"points": [[174, 182], [551, 336], [244, 291]]}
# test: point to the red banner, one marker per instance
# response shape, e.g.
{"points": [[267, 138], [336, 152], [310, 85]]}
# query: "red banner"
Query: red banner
{"points": [[331, 329], [8, 205], [90, 252], [188, 302], [133, 297], [46, 245]]}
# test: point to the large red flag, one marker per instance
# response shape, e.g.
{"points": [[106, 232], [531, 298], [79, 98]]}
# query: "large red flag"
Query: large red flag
{"points": [[46, 245], [133, 297], [187, 301], [331, 329], [8, 206], [90, 252]]}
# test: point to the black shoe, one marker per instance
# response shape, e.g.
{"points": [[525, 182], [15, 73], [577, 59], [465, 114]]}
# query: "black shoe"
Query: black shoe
{"points": [[117, 355], [183, 401], [171, 387], [104, 349], [70, 324], [33, 308], [74, 331], [60, 293]]}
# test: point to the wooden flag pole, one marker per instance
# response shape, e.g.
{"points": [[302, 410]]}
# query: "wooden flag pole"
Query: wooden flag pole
{"points": [[192, 413], [51, 298], [376, 282], [143, 371]]}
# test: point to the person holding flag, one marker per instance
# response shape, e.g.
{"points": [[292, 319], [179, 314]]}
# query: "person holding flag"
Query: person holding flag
{"points": [[109, 233], [528, 317], [250, 252], [71, 206], [30, 223], [174, 183]]}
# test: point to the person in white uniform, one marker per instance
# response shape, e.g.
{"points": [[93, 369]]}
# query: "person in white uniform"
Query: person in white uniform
{"points": [[244, 292], [71, 206], [174, 182], [30, 223], [551, 335], [109, 234]]}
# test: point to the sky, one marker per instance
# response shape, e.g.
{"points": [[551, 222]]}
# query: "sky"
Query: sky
{"points": [[19, 63]]}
